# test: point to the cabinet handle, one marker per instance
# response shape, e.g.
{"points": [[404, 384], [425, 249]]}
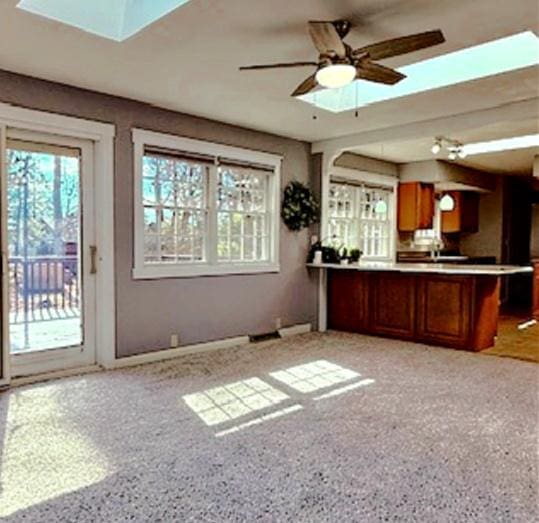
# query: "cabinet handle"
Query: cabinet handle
{"points": [[93, 259]]}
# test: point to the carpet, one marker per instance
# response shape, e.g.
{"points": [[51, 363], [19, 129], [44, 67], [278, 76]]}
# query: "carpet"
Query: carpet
{"points": [[316, 428]]}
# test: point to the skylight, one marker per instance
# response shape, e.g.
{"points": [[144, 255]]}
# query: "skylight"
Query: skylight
{"points": [[505, 144], [495, 57], [114, 19]]}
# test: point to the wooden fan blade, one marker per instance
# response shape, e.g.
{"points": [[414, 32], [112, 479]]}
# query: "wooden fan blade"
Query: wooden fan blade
{"points": [[276, 66], [307, 85], [402, 45], [378, 73], [326, 38]]}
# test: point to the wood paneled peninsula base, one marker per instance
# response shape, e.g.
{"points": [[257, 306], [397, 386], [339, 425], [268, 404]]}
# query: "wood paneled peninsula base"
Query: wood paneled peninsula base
{"points": [[439, 304]]}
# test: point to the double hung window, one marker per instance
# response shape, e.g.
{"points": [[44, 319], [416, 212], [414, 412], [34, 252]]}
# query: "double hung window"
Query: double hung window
{"points": [[203, 208], [359, 218]]}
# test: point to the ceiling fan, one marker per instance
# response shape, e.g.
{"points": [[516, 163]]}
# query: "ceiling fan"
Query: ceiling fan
{"points": [[338, 64]]}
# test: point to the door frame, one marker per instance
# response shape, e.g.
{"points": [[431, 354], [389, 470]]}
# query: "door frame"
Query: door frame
{"points": [[60, 358], [102, 135]]}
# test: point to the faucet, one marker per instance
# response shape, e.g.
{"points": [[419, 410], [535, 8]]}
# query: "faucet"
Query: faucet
{"points": [[436, 247]]}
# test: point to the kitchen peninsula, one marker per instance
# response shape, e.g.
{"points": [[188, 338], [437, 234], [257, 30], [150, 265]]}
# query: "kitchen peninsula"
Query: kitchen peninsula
{"points": [[450, 305]]}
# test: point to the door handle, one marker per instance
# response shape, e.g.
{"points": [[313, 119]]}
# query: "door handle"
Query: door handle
{"points": [[93, 259]]}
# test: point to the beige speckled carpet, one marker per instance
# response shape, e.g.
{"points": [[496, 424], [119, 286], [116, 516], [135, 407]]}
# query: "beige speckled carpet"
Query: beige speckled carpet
{"points": [[321, 427]]}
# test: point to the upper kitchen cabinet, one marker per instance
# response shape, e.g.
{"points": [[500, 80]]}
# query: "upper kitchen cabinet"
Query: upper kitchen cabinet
{"points": [[465, 215], [416, 206]]}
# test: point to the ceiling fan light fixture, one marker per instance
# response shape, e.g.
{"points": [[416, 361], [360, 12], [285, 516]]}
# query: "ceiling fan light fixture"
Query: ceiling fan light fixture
{"points": [[336, 75]]}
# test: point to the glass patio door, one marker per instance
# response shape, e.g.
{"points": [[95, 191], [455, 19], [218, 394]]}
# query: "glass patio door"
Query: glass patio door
{"points": [[50, 255]]}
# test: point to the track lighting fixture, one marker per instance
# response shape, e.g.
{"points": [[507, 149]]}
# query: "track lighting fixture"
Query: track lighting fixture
{"points": [[437, 146], [454, 149]]}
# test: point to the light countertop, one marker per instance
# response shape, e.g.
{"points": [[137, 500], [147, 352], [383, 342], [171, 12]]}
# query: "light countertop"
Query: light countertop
{"points": [[436, 268]]}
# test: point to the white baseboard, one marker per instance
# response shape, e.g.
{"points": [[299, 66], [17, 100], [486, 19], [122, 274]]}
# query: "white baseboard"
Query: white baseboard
{"points": [[160, 355], [167, 354], [301, 328], [53, 375]]}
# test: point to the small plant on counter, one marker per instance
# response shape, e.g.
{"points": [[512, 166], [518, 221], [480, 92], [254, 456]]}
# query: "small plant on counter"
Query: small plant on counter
{"points": [[355, 254], [300, 208]]}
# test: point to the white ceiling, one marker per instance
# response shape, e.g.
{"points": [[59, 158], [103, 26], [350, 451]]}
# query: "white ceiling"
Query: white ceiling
{"points": [[507, 162], [188, 60]]}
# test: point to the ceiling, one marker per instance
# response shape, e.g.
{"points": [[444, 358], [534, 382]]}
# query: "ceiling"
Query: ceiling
{"points": [[519, 162], [188, 60]]}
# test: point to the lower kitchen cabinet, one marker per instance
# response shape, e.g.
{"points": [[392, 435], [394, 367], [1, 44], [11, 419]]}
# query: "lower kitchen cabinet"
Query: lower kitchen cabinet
{"points": [[444, 309], [535, 298], [458, 311], [393, 297], [347, 301]]}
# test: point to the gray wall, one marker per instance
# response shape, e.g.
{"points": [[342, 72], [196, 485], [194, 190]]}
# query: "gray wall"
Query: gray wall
{"points": [[488, 240], [198, 309], [440, 172], [364, 163]]}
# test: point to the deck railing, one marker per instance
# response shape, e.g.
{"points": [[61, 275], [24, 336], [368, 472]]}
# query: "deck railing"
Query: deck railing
{"points": [[43, 288]]}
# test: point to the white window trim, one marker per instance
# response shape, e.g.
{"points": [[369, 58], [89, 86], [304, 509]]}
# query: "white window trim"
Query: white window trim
{"points": [[390, 182], [141, 270]]}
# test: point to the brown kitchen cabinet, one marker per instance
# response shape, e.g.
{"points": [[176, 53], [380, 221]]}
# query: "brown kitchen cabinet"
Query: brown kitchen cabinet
{"points": [[415, 206], [444, 309], [535, 299], [393, 304], [458, 311], [347, 301], [465, 216]]}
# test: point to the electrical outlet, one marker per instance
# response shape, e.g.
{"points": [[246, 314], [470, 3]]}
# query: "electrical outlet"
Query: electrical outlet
{"points": [[278, 324], [174, 342]]}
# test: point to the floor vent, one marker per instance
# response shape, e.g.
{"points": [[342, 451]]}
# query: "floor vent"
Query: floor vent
{"points": [[256, 338]]}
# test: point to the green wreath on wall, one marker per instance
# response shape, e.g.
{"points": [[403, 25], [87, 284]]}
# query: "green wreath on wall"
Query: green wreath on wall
{"points": [[300, 208]]}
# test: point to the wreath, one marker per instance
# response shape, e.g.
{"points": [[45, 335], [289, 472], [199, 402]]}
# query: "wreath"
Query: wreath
{"points": [[300, 208]]}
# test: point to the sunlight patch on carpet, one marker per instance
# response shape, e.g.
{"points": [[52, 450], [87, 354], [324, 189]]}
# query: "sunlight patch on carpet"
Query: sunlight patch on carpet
{"points": [[44, 455]]}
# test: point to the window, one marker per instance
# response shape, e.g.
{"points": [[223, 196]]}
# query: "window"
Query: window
{"points": [[359, 218], [175, 209], [203, 208], [242, 215]]}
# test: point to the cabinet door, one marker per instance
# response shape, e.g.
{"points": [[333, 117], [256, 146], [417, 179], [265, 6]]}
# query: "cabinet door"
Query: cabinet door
{"points": [[347, 300], [415, 206], [393, 298], [465, 216], [535, 312], [444, 309]]}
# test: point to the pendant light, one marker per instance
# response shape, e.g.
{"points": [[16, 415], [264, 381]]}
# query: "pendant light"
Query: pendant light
{"points": [[447, 203]]}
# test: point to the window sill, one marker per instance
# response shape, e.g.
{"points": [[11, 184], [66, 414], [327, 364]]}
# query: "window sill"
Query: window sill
{"points": [[153, 272]]}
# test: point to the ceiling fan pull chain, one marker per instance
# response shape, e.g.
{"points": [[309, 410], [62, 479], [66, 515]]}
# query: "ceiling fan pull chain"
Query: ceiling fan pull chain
{"points": [[356, 101]]}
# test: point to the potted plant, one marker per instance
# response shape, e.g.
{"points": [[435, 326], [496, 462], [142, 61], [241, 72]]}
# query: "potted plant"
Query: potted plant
{"points": [[355, 255]]}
